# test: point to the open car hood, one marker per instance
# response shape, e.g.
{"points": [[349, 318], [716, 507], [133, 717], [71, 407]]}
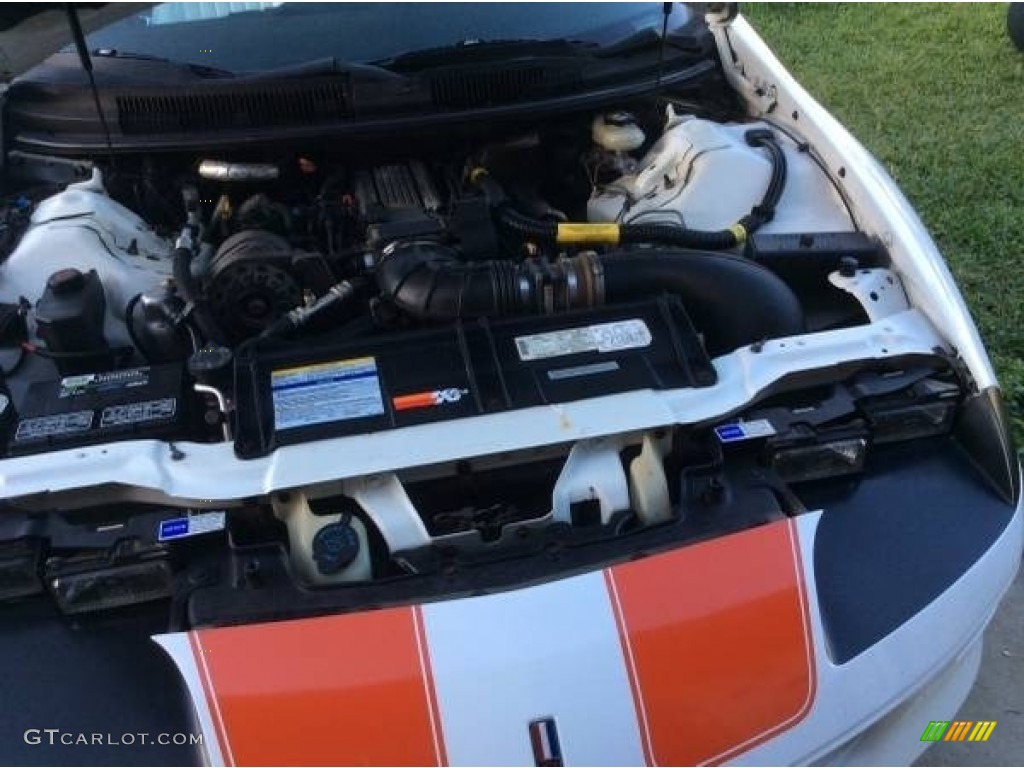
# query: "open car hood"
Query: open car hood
{"points": [[29, 32]]}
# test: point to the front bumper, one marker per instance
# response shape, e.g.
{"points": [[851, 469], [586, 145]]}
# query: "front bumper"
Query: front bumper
{"points": [[818, 639], [732, 650], [873, 708]]}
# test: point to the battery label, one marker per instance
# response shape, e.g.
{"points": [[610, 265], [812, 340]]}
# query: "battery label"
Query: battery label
{"points": [[138, 413], [57, 425], [326, 392], [605, 337], [111, 381], [193, 525], [744, 430]]}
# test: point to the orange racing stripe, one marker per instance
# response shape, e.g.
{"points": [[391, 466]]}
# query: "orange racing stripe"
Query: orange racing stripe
{"points": [[211, 700], [429, 687], [717, 644], [339, 690]]}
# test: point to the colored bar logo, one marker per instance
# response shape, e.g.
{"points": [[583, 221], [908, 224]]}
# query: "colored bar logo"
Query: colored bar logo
{"points": [[958, 730], [428, 399]]}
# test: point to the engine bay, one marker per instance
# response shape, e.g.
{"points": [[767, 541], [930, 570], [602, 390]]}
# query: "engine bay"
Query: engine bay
{"points": [[278, 254], [272, 301]]}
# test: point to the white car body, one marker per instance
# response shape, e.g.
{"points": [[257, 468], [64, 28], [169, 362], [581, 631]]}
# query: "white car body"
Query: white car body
{"points": [[484, 667]]}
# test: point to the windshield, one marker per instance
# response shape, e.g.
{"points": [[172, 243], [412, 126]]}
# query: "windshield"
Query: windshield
{"points": [[252, 37]]}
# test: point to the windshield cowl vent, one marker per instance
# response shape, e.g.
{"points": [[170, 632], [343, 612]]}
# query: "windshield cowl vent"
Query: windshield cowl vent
{"points": [[460, 88], [219, 108]]}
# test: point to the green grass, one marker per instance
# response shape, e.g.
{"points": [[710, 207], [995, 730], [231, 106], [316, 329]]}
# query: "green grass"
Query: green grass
{"points": [[936, 92]]}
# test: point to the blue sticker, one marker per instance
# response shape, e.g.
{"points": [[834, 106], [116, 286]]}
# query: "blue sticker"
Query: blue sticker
{"points": [[173, 529], [729, 432], [193, 525], [744, 430]]}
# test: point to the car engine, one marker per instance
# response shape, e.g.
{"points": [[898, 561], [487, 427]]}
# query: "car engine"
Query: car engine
{"points": [[524, 227], [279, 299]]}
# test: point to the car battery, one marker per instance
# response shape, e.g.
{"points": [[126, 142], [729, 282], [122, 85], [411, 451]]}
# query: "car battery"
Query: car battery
{"points": [[90, 408], [287, 396]]}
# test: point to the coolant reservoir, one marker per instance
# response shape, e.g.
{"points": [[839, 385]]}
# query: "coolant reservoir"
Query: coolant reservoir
{"points": [[617, 132], [703, 175], [324, 549]]}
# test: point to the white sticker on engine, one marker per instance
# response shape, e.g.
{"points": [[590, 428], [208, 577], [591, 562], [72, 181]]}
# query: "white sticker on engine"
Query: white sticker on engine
{"points": [[326, 392], [605, 337], [557, 374]]}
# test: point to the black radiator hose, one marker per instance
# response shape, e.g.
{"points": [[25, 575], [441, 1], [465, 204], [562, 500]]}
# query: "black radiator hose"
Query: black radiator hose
{"points": [[733, 301], [602, 233]]}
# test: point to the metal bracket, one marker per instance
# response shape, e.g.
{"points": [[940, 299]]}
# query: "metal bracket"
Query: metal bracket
{"points": [[879, 291], [593, 471]]}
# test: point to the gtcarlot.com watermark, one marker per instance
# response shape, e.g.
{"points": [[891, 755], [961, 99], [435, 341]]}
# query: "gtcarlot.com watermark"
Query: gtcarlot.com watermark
{"points": [[55, 736]]}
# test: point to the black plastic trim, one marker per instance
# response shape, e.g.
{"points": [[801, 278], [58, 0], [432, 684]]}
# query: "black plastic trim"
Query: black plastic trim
{"points": [[890, 544], [101, 675], [984, 431], [78, 143]]}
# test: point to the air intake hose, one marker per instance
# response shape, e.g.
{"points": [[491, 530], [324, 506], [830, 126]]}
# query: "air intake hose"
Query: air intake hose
{"points": [[732, 300], [601, 233], [429, 281]]}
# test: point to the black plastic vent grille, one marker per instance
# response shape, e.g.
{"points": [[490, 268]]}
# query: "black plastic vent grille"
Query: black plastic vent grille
{"points": [[489, 87], [220, 109]]}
